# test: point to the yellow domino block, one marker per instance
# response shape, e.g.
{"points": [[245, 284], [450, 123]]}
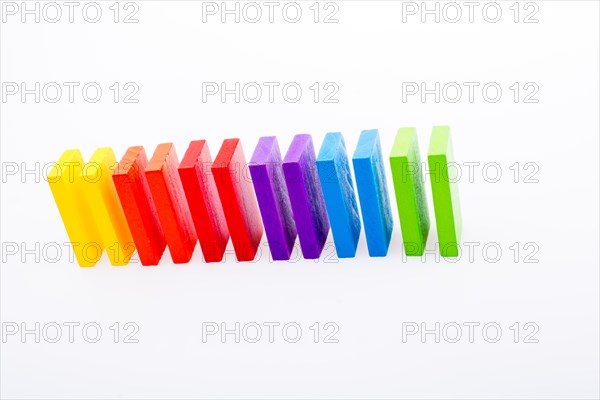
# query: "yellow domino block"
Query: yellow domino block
{"points": [[100, 192], [74, 210]]}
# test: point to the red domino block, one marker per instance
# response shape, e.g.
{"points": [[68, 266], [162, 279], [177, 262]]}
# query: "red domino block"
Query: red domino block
{"points": [[169, 198], [203, 199], [132, 187], [237, 198]]}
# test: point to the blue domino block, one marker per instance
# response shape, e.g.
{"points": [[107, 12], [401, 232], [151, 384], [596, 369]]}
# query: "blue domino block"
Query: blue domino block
{"points": [[338, 189], [372, 193]]}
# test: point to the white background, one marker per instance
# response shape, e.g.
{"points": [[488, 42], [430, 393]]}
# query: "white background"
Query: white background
{"points": [[368, 54]]}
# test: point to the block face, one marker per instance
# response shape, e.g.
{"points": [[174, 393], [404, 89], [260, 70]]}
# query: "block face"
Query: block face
{"points": [[237, 197], [446, 201], [306, 196], [138, 206], [372, 193], [338, 191], [105, 206], [171, 204], [273, 198], [203, 200], [405, 163], [68, 191]]}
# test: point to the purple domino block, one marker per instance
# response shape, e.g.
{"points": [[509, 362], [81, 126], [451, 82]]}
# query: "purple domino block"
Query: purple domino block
{"points": [[273, 200], [306, 195]]}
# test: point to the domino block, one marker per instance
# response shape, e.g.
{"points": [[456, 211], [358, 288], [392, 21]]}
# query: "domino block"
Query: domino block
{"points": [[64, 180], [273, 199], [338, 190], [101, 195], [410, 193], [141, 214], [306, 196], [203, 200], [446, 203], [237, 198], [171, 204], [373, 193]]}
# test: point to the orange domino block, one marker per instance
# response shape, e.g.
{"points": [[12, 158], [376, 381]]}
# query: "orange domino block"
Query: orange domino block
{"points": [[101, 195], [237, 197], [171, 204], [140, 211], [65, 182], [203, 199]]}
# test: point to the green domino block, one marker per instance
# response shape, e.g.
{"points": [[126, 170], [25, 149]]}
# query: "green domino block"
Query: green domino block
{"points": [[445, 192], [410, 193]]}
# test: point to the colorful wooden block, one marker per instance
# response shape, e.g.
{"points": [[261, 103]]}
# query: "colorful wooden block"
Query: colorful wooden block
{"points": [[444, 191], [306, 196], [373, 193], [273, 199], [237, 197], [101, 195], [65, 182], [171, 204], [203, 200], [338, 191], [142, 217], [405, 162]]}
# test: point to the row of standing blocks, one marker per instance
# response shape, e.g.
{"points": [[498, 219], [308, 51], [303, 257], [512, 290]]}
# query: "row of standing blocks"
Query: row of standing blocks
{"points": [[136, 204]]}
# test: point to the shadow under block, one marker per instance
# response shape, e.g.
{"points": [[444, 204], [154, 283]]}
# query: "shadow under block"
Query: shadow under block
{"points": [[203, 200], [445, 193], [133, 190], [237, 197], [171, 204], [338, 190], [410, 192], [65, 183], [373, 193], [101, 195], [306, 196], [273, 199]]}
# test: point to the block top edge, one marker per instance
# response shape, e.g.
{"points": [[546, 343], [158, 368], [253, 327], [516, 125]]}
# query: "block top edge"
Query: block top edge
{"points": [[62, 165], [333, 142], [129, 158], [297, 148], [367, 143], [226, 152], [403, 142], [192, 154], [440, 138], [161, 153], [264, 151]]}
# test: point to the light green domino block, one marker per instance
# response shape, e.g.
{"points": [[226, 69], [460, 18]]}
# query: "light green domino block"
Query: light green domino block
{"points": [[445, 192], [410, 193]]}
